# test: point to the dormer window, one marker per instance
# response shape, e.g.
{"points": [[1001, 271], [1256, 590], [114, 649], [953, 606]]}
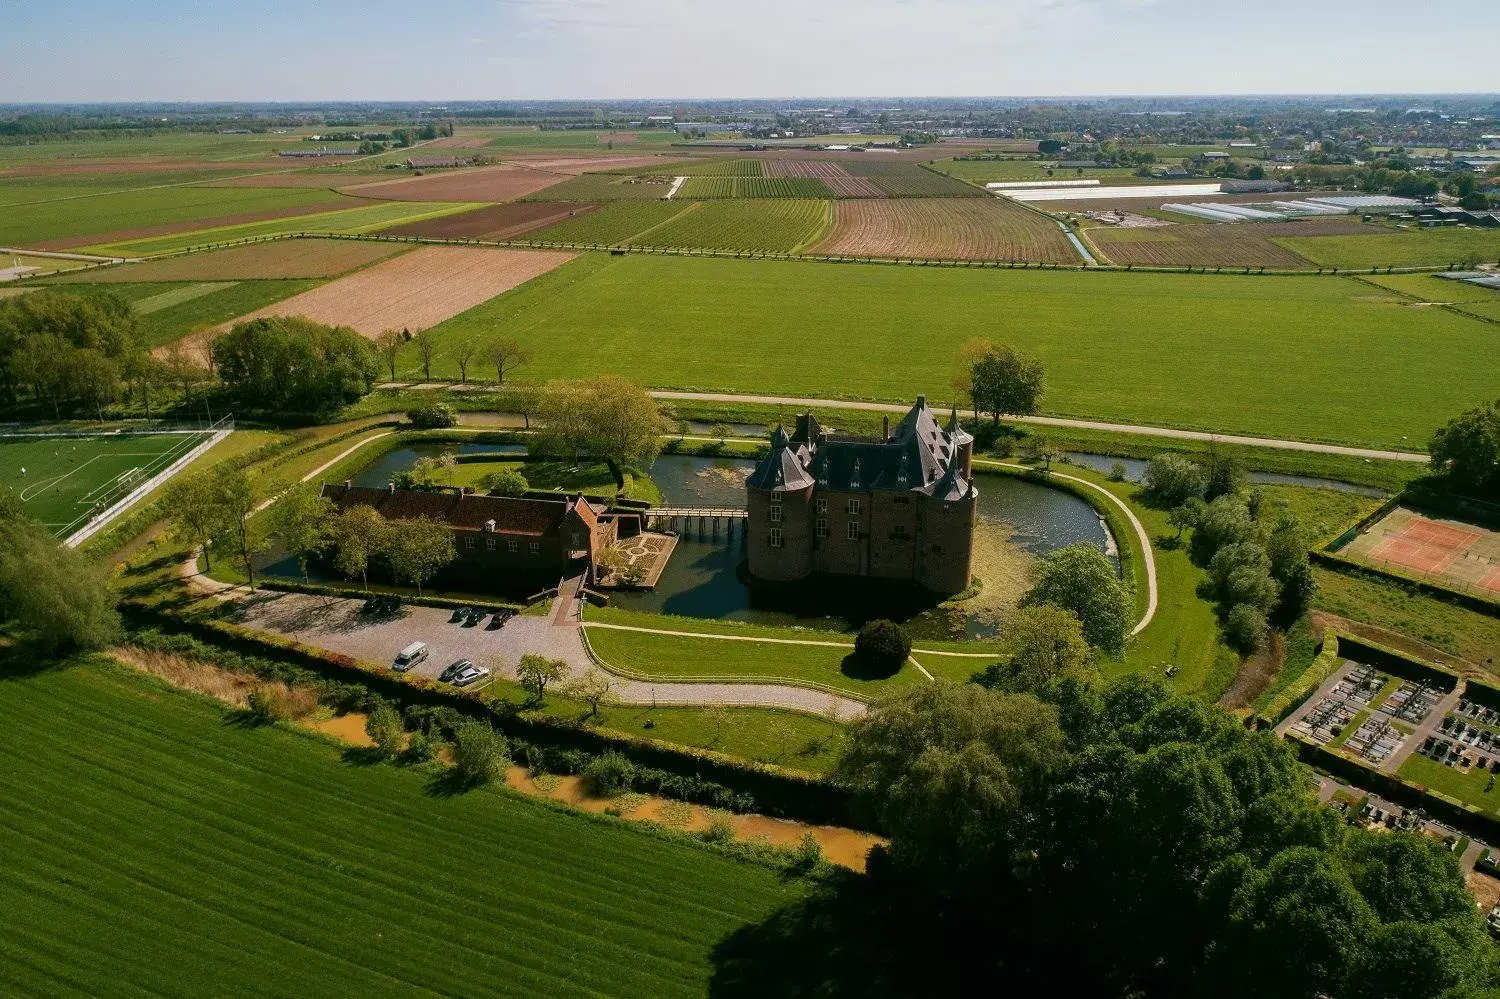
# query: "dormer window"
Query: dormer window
{"points": [[823, 473], [901, 472], [854, 475]]}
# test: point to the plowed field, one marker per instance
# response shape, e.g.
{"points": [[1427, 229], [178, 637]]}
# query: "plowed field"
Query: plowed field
{"points": [[493, 183], [575, 165], [333, 203], [286, 258], [495, 222], [416, 290], [841, 182], [1217, 244], [945, 229]]}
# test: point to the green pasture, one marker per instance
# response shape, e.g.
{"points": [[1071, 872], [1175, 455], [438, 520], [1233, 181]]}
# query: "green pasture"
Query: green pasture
{"points": [[363, 216], [24, 224], [776, 226], [574, 140], [1416, 248], [612, 224], [210, 147], [1295, 357], [171, 310], [65, 476], [161, 845]]}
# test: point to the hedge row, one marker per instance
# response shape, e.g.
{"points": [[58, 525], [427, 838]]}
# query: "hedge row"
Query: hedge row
{"points": [[292, 586], [771, 790], [1397, 663], [1322, 667], [1351, 567]]}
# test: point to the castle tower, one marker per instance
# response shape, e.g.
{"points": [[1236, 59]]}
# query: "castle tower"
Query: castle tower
{"points": [[948, 509], [779, 534], [963, 443]]}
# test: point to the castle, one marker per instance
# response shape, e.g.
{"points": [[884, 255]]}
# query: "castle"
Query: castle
{"points": [[899, 507]]}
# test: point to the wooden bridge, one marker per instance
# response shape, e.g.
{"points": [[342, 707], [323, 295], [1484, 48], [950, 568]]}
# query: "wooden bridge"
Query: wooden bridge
{"points": [[704, 521]]}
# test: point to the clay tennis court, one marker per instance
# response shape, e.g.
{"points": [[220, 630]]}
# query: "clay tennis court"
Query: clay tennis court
{"points": [[1454, 554], [413, 291]]}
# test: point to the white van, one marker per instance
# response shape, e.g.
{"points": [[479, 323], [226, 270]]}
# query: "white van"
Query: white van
{"points": [[414, 654]]}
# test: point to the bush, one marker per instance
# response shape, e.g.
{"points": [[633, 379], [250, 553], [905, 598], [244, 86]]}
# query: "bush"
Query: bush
{"points": [[506, 482], [720, 830], [384, 728], [1117, 471], [480, 754], [1172, 480], [1245, 628], [608, 774], [808, 853], [434, 416], [882, 647], [419, 749], [264, 705]]}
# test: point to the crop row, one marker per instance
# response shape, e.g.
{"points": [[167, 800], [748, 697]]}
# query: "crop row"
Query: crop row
{"points": [[754, 187], [778, 226]]}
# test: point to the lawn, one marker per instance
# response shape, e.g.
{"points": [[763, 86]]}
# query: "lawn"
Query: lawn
{"points": [[158, 845], [61, 479], [1468, 787], [22, 225], [1297, 357], [1419, 248]]}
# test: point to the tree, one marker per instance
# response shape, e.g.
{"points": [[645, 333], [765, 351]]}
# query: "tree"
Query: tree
{"points": [[1042, 645], [480, 754], [463, 354], [92, 380], [1172, 480], [236, 496], [426, 345], [1006, 381], [1223, 475], [384, 727], [1241, 574], [506, 482], [882, 647], [52, 594], [357, 534], [1080, 579], [610, 417], [198, 512], [1225, 521], [593, 689], [389, 344], [535, 672], [418, 549], [301, 518], [290, 363], [1186, 516], [973, 350], [505, 355], [1245, 627], [432, 416], [1467, 449]]}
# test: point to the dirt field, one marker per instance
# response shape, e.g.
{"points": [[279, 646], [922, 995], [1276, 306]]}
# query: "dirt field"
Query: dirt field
{"points": [[492, 183], [190, 225], [1447, 552], [575, 165], [1215, 244], [838, 180], [496, 222], [416, 290], [944, 229], [285, 258], [328, 179]]}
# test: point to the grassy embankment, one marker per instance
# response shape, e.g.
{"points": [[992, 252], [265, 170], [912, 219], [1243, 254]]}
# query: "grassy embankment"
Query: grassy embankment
{"points": [[1305, 358], [256, 855]]}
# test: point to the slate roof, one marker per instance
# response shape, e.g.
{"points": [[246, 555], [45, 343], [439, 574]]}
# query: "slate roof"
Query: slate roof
{"points": [[918, 455], [467, 512]]}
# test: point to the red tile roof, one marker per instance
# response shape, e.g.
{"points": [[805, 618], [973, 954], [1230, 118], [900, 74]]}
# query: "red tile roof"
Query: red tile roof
{"points": [[469, 512]]}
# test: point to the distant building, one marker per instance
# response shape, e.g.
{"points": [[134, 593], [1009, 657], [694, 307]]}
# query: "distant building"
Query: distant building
{"points": [[318, 152], [900, 506], [434, 162]]}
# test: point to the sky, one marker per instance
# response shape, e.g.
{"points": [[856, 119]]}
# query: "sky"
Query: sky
{"points": [[95, 50]]}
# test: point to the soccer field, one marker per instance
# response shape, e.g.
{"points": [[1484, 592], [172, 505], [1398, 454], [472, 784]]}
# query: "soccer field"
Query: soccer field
{"points": [[61, 480]]}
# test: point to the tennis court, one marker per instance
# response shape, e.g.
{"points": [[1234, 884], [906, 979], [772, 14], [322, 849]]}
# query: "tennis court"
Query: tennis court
{"points": [[64, 480], [1455, 554]]}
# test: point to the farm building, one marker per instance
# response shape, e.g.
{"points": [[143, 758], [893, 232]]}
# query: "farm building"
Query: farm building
{"points": [[434, 162], [305, 153], [898, 507]]}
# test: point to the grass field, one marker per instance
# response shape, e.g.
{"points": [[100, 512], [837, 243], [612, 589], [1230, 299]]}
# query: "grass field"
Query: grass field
{"points": [[287, 258], [1468, 787], [1296, 357], [775, 226], [722, 168], [64, 477], [172, 310], [944, 229], [158, 846], [369, 217], [1419, 248], [1402, 609], [1223, 245], [22, 225], [611, 225]]}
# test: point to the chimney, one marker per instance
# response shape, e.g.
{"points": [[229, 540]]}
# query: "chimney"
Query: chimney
{"points": [[885, 426], [391, 487], [921, 402]]}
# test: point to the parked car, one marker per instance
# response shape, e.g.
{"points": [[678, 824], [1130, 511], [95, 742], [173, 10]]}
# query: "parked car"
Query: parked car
{"points": [[454, 668], [413, 655], [381, 606], [473, 618], [459, 614], [470, 674]]}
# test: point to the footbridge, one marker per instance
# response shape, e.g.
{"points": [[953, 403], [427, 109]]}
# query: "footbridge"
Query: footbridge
{"points": [[702, 521]]}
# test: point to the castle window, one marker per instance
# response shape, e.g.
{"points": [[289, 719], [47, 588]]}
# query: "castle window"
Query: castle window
{"points": [[468, 542], [512, 546], [901, 472], [822, 506], [852, 509], [823, 473], [536, 548], [853, 531], [854, 475], [821, 528], [899, 531], [775, 537], [775, 513], [937, 549], [489, 544], [901, 500]]}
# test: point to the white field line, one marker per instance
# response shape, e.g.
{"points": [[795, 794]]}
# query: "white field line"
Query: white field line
{"points": [[920, 668], [676, 183], [322, 468]]}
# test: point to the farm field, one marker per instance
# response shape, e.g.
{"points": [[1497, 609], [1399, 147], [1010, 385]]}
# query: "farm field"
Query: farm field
{"points": [[989, 171], [54, 225], [30, 265], [532, 138], [1215, 244], [726, 168], [418, 289], [486, 183], [753, 187], [841, 182], [370, 217], [285, 258], [168, 151], [575, 166], [613, 224], [257, 856], [494, 222], [1416, 248], [944, 229], [908, 180], [175, 311], [607, 187], [1295, 357], [65, 476], [781, 226]]}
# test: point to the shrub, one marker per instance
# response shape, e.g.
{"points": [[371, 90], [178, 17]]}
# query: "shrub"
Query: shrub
{"points": [[1245, 628], [882, 647], [384, 728], [434, 416], [808, 853], [506, 482], [608, 774], [720, 830], [1172, 480], [264, 705], [1117, 471], [479, 753], [419, 749]]}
